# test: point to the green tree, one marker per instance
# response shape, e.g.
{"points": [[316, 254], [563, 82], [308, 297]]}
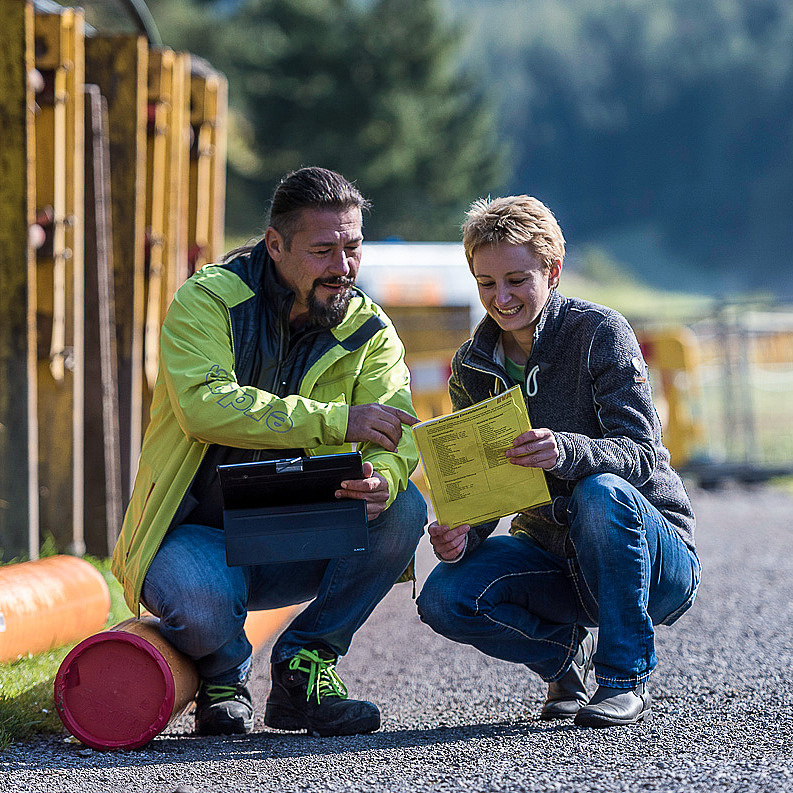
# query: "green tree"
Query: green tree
{"points": [[374, 91], [670, 114]]}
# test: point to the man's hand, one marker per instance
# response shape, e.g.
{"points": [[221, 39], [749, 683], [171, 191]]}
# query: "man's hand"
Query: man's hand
{"points": [[373, 489], [534, 449], [448, 543], [378, 424]]}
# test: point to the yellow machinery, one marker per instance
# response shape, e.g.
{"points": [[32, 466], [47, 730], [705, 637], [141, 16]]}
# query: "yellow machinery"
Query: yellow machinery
{"points": [[672, 356], [112, 187]]}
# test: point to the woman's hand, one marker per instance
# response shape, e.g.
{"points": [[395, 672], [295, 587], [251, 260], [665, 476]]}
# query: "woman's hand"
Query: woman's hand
{"points": [[534, 449], [448, 543], [373, 489]]}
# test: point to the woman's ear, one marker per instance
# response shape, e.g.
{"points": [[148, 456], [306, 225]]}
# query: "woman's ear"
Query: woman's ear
{"points": [[554, 273]]}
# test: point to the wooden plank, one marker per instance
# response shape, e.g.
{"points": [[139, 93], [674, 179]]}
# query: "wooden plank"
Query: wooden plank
{"points": [[179, 179], [208, 110], [198, 225], [159, 98], [102, 491], [74, 52], [118, 65], [59, 185], [18, 426], [217, 217], [168, 151]]}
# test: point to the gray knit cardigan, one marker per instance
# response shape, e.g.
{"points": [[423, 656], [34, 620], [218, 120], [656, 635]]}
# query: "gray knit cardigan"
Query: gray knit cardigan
{"points": [[586, 380]]}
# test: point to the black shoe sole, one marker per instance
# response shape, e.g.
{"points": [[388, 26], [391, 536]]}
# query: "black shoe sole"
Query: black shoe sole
{"points": [[586, 719], [281, 718], [551, 712], [225, 728]]}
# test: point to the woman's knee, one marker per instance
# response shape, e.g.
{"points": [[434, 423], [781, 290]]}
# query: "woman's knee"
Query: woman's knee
{"points": [[443, 603], [598, 505], [596, 487]]}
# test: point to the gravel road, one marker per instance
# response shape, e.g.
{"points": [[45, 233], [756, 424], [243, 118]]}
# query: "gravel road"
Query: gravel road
{"points": [[455, 720]]}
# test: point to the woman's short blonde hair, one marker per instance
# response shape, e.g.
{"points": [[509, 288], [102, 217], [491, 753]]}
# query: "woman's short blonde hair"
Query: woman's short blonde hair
{"points": [[515, 219]]}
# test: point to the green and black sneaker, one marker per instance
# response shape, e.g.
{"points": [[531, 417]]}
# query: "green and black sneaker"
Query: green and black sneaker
{"points": [[223, 710], [308, 694]]}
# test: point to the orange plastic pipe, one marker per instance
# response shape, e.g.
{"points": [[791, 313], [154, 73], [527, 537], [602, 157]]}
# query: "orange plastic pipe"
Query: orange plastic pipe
{"points": [[50, 602], [183, 670], [261, 626], [121, 687]]}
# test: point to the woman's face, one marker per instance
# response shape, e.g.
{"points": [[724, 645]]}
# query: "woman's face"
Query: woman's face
{"points": [[514, 284]]}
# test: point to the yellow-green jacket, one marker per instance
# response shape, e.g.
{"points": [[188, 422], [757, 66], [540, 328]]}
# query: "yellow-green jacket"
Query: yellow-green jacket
{"points": [[207, 342]]}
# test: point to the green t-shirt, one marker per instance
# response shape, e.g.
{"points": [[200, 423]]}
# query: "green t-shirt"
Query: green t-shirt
{"points": [[516, 373]]}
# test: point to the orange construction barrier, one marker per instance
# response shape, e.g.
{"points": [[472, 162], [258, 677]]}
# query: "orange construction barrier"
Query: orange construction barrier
{"points": [[48, 603], [120, 688]]}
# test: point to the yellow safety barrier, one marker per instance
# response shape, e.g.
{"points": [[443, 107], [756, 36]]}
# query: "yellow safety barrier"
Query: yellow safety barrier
{"points": [[672, 357]]}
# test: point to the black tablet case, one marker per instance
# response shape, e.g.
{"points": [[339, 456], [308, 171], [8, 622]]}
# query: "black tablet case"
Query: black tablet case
{"points": [[285, 510]]}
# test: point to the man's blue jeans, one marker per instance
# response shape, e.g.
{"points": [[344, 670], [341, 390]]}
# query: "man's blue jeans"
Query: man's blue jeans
{"points": [[202, 603], [513, 600]]}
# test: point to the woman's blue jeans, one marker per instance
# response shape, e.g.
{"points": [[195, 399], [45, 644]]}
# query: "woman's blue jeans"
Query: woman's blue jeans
{"points": [[202, 603], [513, 600]]}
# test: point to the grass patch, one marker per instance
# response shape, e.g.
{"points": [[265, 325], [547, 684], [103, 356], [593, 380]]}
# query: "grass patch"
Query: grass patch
{"points": [[783, 483], [27, 706]]}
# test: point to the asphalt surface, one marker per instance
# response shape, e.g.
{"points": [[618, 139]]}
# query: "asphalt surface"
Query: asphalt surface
{"points": [[455, 720]]}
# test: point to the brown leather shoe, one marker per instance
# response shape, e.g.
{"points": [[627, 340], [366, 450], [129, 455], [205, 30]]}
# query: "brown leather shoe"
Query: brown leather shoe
{"points": [[568, 694]]}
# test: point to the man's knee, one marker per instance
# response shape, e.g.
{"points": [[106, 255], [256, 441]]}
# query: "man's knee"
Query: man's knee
{"points": [[195, 616], [200, 627]]}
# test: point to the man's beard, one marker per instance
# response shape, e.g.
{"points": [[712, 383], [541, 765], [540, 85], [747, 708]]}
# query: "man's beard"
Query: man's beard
{"points": [[332, 312]]}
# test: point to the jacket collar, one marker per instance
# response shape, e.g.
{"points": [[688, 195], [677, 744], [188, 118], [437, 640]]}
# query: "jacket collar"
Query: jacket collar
{"points": [[262, 266], [282, 298]]}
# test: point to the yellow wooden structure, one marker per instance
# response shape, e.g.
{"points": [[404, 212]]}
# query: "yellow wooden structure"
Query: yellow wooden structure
{"points": [[208, 111], [112, 185], [19, 516], [59, 170], [167, 184], [431, 335]]}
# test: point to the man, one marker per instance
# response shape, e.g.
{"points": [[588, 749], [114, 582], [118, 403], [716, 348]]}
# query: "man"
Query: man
{"points": [[615, 548], [273, 353]]}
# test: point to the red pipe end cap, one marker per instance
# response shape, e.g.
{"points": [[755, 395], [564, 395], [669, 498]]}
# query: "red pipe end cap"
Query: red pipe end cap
{"points": [[114, 690]]}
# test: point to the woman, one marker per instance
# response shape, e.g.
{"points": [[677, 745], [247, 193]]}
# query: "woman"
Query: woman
{"points": [[615, 547]]}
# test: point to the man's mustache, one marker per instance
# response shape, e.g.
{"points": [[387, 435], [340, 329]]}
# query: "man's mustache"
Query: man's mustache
{"points": [[338, 281]]}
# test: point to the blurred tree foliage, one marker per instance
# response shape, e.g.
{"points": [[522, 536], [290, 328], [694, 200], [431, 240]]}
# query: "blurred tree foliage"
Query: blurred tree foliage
{"points": [[373, 90], [672, 113], [662, 126]]}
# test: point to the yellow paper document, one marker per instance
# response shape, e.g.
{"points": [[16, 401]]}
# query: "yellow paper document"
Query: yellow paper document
{"points": [[470, 480]]}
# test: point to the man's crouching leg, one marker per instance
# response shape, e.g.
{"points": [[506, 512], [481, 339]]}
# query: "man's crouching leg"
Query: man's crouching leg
{"points": [[307, 692], [201, 603]]}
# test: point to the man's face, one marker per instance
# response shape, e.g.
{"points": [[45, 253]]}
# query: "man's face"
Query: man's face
{"points": [[320, 264]]}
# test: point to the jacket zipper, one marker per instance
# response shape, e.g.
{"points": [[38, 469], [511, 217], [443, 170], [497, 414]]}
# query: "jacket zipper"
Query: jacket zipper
{"points": [[494, 374]]}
